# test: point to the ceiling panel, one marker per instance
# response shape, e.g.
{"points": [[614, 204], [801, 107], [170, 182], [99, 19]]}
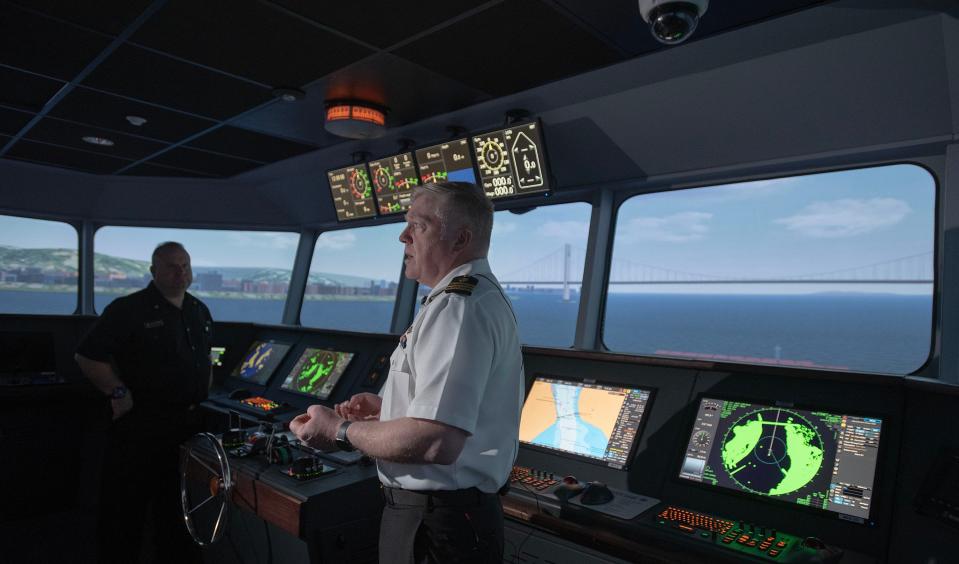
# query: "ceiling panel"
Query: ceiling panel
{"points": [[68, 134], [249, 144], [241, 37], [12, 121], [202, 161], [547, 46], [383, 22], [26, 91], [144, 169], [107, 16], [32, 42], [96, 108], [147, 76], [62, 156]]}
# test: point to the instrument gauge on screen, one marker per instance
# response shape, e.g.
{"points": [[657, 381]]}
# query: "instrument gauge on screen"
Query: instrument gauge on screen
{"points": [[352, 192]]}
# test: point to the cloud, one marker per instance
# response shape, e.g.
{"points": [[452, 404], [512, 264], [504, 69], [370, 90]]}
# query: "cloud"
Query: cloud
{"points": [[676, 228], [846, 217], [273, 241], [336, 241], [574, 231], [503, 228]]}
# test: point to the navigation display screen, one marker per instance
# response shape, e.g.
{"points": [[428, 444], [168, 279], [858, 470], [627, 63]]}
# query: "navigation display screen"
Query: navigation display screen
{"points": [[511, 161], [596, 421], [447, 161], [813, 458], [261, 361], [216, 356], [393, 181], [352, 192], [316, 372]]}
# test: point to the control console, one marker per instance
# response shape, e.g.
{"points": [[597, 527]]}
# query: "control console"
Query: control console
{"points": [[551, 493]]}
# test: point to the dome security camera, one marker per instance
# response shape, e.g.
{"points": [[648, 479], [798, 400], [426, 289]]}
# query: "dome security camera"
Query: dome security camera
{"points": [[672, 22]]}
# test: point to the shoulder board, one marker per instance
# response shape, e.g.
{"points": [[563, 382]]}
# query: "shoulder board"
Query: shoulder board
{"points": [[462, 285]]}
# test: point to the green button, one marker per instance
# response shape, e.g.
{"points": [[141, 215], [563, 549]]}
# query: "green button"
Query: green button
{"points": [[704, 534]]}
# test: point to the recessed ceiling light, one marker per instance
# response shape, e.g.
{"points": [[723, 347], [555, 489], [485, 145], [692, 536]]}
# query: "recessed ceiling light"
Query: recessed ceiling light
{"points": [[101, 141], [136, 120], [289, 94]]}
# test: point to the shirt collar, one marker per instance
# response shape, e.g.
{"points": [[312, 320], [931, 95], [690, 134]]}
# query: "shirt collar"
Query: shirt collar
{"points": [[478, 266]]}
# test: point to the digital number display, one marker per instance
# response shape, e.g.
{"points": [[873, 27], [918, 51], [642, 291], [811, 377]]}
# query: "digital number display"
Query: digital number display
{"points": [[352, 192], [446, 162], [511, 161], [393, 181]]}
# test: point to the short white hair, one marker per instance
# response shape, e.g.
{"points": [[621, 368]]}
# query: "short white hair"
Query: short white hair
{"points": [[464, 204]]}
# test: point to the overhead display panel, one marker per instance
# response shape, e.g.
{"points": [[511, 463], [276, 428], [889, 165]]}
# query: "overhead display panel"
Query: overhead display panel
{"points": [[447, 161], [512, 161], [393, 181], [352, 192]]}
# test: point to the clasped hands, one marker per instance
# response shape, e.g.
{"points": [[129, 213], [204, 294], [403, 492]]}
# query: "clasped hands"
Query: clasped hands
{"points": [[318, 426]]}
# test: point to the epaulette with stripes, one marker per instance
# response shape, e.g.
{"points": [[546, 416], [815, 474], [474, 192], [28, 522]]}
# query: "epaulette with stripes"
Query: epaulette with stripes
{"points": [[462, 285]]}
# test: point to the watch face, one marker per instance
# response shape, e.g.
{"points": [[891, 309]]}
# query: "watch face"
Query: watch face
{"points": [[118, 393]]}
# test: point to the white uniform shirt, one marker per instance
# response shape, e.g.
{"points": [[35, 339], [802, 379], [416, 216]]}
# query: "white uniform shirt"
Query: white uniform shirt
{"points": [[461, 365]]}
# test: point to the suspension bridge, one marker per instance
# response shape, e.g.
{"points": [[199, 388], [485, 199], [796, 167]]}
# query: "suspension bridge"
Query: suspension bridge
{"points": [[563, 267]]}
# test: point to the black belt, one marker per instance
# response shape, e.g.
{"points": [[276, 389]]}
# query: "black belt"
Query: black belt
{"points": [[435, 498]]}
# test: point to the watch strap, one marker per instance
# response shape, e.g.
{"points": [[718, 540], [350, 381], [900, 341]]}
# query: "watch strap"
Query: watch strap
{"points": [[342, 440]]}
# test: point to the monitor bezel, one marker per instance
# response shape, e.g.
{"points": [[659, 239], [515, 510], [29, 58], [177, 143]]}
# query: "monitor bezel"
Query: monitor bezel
{"points": [[416, 167], [640, 429], [469, 144], [275, 370], [329, 190], [824, 513], [335, 386], [547, 174]]}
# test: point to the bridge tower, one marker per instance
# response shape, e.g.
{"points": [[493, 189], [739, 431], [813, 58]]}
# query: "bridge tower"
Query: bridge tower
{"points": [[567, 249]]}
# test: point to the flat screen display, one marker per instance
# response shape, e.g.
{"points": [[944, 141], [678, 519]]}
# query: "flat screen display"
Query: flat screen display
{"points": [[446, 162], [261, 361], [216, 356], [818, 459], [596, 421], [393, 181], [511, 161], [316, 372], [352, 192]]}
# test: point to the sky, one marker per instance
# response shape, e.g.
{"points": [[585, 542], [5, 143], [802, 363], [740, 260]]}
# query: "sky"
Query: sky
{"points": [[766, 229]]}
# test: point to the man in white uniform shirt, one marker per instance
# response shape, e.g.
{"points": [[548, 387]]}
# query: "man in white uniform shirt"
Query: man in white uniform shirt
{"points": [[444, 432]]}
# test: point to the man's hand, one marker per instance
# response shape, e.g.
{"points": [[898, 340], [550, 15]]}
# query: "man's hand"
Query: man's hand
{"points": [[361, 407], [122, 406], [317, 427]]}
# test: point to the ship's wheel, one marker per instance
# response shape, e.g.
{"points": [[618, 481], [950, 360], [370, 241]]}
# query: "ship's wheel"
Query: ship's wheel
{"points": [[205, 489]]}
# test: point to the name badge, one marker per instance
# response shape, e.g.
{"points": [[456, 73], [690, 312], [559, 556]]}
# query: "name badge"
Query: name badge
{"points": [[153, 324]]}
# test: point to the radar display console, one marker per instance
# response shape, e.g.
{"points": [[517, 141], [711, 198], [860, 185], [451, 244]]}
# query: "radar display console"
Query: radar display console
{"points": [[316, 372], [261, 361]]}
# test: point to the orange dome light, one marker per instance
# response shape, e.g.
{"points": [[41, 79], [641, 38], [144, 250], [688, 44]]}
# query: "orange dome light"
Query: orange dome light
{"points": [[355, 120]]}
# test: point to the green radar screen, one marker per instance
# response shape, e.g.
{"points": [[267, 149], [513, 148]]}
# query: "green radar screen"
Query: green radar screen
{"points": [[783, 453], [317, 372]]}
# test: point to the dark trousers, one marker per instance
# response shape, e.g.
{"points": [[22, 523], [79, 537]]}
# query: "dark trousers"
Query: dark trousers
{"points": [[141, 473], [441, 527]]}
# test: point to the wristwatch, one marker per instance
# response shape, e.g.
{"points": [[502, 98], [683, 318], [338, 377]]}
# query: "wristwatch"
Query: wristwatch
{"points": [[119, 392], [342, 441]]}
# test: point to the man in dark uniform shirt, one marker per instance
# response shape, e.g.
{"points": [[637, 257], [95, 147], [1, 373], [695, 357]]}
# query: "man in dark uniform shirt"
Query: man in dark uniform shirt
{"points": [[149, 353]]}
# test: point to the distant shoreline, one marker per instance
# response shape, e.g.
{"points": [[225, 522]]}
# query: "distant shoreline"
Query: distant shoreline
{"points": [[71, 289]]}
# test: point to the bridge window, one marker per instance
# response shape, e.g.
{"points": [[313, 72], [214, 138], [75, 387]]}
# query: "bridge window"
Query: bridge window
{"points": [[828, 271], [239, 275], [38, 266], [353, 279], [538, 258]]}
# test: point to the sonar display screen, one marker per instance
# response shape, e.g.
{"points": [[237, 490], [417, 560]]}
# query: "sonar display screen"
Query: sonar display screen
{"points": [[261, 361], [511, 161], [352, 192], [317, 372], [393, 181], [813, 458], [596, 421], [446, 162]]}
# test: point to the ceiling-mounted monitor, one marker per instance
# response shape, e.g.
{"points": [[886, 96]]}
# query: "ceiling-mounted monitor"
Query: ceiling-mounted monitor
{"points": [[596, 422], [393, 181], [809, 457], [450, 161], [512, 161], [352, 192]]}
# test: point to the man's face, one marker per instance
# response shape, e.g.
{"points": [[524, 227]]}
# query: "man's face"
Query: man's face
{"points": [[171, 272], [427, 256]]}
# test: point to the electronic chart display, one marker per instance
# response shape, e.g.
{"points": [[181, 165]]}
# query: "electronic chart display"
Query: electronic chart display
{"points": [[597, 422], [352, 192], [446, 162], [216, 356], [511, 161], [393, 181], [813, 458], [261, 361], [316, 372]]}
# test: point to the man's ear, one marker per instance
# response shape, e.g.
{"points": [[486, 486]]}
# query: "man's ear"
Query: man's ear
{"points": [[463, 240], [153, 271]]}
